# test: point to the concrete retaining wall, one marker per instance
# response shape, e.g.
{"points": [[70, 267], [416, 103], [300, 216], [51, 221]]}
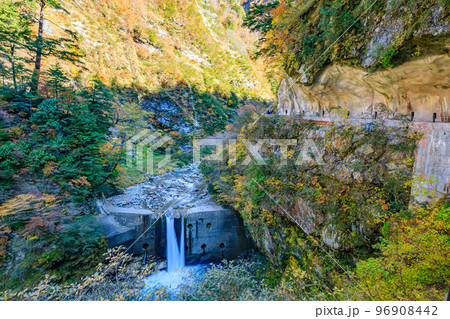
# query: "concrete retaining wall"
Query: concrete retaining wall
{"points": [[214, 235], [432, 160], [211, 233]]}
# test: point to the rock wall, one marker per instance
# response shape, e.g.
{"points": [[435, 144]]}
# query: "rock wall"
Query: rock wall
{"points": [[419, 86], [338, 182]]}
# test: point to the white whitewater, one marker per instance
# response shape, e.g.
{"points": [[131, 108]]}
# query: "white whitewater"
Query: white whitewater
{"points": [[176, 274], [175, 248]]}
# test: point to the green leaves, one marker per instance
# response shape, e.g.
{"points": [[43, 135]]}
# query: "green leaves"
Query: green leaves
{"points": [[414, 259], [15, 35], [259, 18], [57, 80], [70, 134]]}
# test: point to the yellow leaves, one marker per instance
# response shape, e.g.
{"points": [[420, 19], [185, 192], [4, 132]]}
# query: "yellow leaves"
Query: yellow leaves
{"points": [[299, 185], [50, 168], [52, 133], [408, 161], [27, 202], [74, 72], [413, 260], [105, 148]]}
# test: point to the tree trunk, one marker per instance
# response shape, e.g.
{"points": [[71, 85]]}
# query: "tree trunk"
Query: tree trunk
{"points": [[13, 68], [3, 75], [39, 44]]}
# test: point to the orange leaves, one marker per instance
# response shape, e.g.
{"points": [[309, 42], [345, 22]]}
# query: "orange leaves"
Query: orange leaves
{"points": [[81, 181], [314, 181], [383, 204], [39, 213], [4, 231], [279, 10], [322, 198]]}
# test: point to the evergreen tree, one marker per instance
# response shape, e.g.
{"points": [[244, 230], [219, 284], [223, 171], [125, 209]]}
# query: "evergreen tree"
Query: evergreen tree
{"points": [[57, 80], [63, 48], [12, 155], [4, 72], [259, 17], [69, 141], [98, 100], [15, 33]]}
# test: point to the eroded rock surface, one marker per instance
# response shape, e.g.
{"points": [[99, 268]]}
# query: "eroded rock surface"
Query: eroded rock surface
{"points": [[419, 86]]}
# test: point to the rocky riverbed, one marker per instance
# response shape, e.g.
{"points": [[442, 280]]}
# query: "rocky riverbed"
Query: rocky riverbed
{"points": [[177, 190]]}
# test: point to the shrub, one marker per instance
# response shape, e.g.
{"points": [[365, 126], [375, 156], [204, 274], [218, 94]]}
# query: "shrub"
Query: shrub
{"points": [[117, 279], [414, 258], [49, 240]]}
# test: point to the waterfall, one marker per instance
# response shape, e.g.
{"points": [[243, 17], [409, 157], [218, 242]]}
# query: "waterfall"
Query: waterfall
{"points": [[175, 251]]}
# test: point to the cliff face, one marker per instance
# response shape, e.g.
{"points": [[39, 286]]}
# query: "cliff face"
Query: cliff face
{"points": [[398, 58], [359, 173], [337, 186], [419, 86]]}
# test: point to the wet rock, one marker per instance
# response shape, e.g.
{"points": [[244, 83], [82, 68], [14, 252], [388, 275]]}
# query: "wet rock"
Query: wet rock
{"points": [[161, 265]]}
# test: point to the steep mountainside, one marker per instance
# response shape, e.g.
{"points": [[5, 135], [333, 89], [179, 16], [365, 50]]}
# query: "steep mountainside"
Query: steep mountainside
{"points": [[155, 43], [179, 68], [358, 55]]}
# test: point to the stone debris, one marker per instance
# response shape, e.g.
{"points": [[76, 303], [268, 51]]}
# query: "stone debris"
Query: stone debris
{"points": [[183, 188]]}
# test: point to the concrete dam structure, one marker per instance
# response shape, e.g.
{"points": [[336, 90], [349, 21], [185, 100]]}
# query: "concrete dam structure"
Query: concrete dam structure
{"points": [[211, 232], [136, 219]]}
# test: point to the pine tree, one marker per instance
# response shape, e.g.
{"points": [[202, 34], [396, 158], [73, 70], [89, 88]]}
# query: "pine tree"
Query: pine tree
{"points": [[70, 141], [98, 100], [15, 33], [259, 17], [63, 48], [4, 72], [57, 80]]}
